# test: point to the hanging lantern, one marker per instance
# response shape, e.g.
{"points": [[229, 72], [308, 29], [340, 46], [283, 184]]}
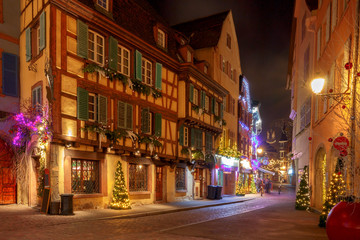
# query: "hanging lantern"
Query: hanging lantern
{"points": [[348, 66]]}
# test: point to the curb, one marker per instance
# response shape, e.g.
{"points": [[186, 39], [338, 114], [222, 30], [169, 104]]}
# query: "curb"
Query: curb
{"points": [[153, 213]]}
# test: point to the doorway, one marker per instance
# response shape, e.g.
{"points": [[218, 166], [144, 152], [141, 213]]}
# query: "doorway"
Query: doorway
{"points": [[7, 176], [159, 183]]}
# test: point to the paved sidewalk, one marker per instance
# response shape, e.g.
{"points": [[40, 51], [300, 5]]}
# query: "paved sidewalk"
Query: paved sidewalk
{"points": [[20, 215]]}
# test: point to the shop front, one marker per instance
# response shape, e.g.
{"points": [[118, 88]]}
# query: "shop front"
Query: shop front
{"points": [[226, 171]]}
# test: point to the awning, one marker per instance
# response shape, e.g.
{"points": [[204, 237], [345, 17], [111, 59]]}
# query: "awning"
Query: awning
{"points": [[266, 171]]}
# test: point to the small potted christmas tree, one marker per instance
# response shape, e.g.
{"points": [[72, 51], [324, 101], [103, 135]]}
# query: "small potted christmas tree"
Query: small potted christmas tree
{"points": [[120, 195], [302, 194]]}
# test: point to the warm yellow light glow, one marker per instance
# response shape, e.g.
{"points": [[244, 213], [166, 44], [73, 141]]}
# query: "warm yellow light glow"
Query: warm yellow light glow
{"points": [[259, 150], [317, 85], [69, 133]]}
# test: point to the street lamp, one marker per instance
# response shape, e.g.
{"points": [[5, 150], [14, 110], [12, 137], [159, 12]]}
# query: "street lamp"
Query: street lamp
{"points": [[259, 150], [317, 85]]}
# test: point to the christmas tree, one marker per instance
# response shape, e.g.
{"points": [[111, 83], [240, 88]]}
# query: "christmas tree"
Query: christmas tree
{"points": [[240, 186], [302, 194], [333, 195], [252, 185], [120, 194]]}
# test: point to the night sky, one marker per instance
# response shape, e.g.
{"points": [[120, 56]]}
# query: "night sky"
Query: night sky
{"points": [[263, 30]]}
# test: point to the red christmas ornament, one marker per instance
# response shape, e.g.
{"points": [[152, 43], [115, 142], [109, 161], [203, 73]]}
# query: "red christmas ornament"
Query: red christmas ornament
{"points": [[331, 90], [343, 153], [339, 173], [330, 139], [348, 65], [310, 138], [343, 221], [358, 74], [343, 106]]}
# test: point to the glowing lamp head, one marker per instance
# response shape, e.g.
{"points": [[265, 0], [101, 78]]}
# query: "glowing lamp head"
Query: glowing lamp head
{"points": [[317, 85], [259, 150]]}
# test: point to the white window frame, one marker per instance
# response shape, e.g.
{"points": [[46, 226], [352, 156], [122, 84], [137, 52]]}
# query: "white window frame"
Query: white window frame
{"points": [[146, 71], [122, 59], [188, 56], [101, 2], [95, 107], [216, 112], [161, 38], [96, 43], [196, 97], [186, 136], [207, 103]]}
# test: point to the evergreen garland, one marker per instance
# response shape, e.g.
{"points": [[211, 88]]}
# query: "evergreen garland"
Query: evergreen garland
{"points": [[136, 85], [120, 195], [302, 194], [333, 195]]}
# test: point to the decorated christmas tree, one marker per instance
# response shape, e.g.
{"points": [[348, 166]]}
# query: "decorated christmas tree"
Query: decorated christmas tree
{"points": [[302, 194], [120, 194], [333, 195], [240, 186], [252, 185]]}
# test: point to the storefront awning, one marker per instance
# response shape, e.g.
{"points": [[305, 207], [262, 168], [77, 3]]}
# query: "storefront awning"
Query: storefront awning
{"points": [[266, 171]]}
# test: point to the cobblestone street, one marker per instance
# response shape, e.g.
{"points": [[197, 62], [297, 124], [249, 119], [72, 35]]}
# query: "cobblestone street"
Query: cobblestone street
{"points": [[269, 217]]}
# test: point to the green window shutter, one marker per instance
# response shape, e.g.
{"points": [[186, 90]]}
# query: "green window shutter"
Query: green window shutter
{"points": [[213, 105], [145, 121], [192, 133], [129, 116], [158, 124], [158, 76], [121, 114], [42, 42], [181, 135], [28, 44], [221, 110], [203, 95], [113, 46], [82, 104], [138, 61], [191, 93], [102, 106], [199, 139], [82, 39]]}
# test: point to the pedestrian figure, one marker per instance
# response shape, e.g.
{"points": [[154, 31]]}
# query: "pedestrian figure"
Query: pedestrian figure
{"points": [[262, 187], [267, 185]]}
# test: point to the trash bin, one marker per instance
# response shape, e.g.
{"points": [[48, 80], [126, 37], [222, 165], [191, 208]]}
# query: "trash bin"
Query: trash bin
{"points": [[218, 192], [67, 204], [211, 192], [54, 208]]}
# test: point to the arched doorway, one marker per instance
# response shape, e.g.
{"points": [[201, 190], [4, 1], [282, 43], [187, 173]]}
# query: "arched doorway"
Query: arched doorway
{"points": [[7, 175], [320, 178]]}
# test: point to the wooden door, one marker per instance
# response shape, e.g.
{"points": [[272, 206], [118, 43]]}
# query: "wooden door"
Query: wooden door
{"points": [[7, 178], [159, 183]]}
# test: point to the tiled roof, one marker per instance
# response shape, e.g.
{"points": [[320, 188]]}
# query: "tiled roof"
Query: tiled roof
{"points": [[139, 18], [203, 32]]}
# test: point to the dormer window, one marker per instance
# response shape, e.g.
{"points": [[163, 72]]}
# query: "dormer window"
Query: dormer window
{"points": [[205, 69], [188, 56], [103, 3], [161, 38]]}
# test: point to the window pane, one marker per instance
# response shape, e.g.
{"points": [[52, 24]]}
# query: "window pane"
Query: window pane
{"points": [[85, 176], [180, 179], [138, 178]]}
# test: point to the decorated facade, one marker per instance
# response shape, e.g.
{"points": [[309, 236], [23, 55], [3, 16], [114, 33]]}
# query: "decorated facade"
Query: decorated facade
{"points": [[103, 89]]}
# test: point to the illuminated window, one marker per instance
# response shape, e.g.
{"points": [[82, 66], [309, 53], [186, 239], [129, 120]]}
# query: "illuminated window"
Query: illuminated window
{"points": [[161, 38], [146, 71], [123, 60], [196, 97], [216, 112], [92, 107], [104, 4], [84, 176], [207, 103], [96, 47], [186, 136], [180, 179], [138, 178]]}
